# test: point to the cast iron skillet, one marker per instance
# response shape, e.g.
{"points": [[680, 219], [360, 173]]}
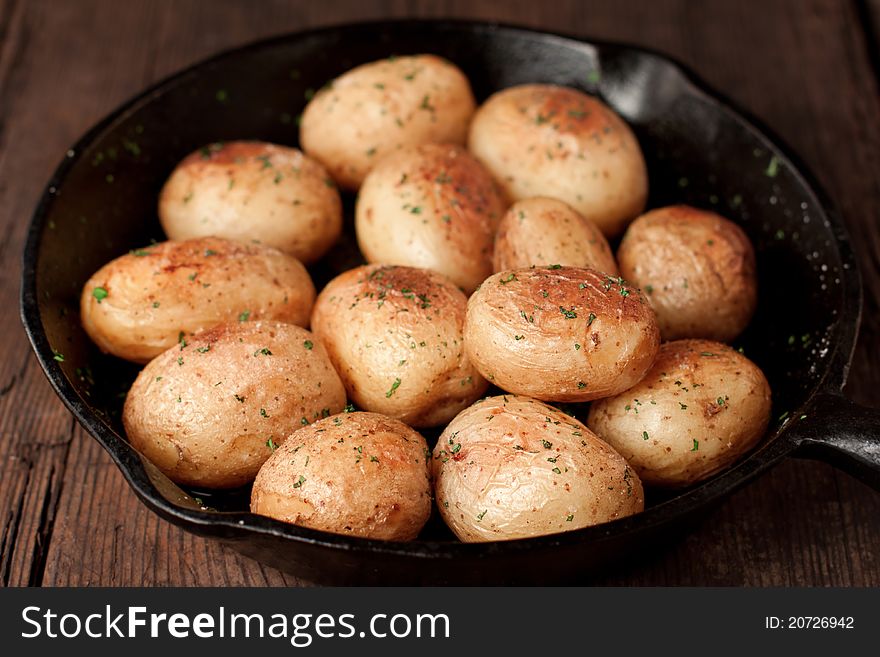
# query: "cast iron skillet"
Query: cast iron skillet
{"points": [[101, 202]]}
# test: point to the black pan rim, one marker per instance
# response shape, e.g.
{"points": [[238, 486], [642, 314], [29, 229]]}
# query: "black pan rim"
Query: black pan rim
{"points": [[240, 524]]}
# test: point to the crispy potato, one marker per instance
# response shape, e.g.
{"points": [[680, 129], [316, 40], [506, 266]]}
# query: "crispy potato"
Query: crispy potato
{"points": [[377, 108], [697, 268], [140, 304], [430, 206], [395, 335], [545, 231], [512, 467], [209, 412], [560, 333], [361, 474], [545, 140], [253, 192], [701, 407]]}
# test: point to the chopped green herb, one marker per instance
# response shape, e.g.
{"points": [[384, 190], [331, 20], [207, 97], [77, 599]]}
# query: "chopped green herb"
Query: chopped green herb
{"points": [[308, 344], [99, 293], [243, 316], [645, 435], [569, 314], [271, 444], [394, 386], [299, 482], [696, 445]]}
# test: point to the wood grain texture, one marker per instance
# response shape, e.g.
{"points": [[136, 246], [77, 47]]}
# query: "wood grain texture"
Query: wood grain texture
{"points": [[803, 66]]}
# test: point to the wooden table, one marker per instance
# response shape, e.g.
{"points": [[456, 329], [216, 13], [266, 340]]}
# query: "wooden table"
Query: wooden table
{"points": [[809, 68]]}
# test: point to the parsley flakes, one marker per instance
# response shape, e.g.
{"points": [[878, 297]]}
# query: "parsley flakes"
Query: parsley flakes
{"points": [[394, 386]]}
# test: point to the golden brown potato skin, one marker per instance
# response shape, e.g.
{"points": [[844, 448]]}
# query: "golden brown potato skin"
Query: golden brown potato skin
{"points": [[253, 191], [155, 294], [701, 407], [432, 206], [379, 107], [546, 140], [560, 333], [546, 231], [395, 335], [204, 413], [361, 474], [697, 268], [512, 467]]}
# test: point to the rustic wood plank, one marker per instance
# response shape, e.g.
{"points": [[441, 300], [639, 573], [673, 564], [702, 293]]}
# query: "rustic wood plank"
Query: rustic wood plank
{"points": [[802, 67]]}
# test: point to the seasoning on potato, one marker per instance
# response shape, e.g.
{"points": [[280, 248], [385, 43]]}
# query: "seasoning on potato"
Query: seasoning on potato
{"points": [[210, 411], [361, 474], [376, 108], [431, 206], [697, 268], [395, 335], [252, 191], [547, 140], [701, 407], [512, 467], [560, 333], [546, 231], [140, 304]]}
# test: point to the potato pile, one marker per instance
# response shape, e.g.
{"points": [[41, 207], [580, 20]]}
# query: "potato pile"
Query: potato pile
{"points": [[489, 270]]}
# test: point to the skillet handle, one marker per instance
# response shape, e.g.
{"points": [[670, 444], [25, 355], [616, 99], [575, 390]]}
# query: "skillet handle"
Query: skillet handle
{"points": [[842, 433]]}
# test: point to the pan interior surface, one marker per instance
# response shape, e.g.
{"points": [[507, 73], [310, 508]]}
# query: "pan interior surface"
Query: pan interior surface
{"points": [[103, 200]]}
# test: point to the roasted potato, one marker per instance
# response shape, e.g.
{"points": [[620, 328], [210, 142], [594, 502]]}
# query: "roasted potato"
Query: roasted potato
{"points": [[546, 140], [512, 467], [560, 333], [377, 108], [361, 474], [545, 231], [209, 412], [395, 335], [430, 206], [142, 303], [253, 192], [697, 268], [700, 407]]}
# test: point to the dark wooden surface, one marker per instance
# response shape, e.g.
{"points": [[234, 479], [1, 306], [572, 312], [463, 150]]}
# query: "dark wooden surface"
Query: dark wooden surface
{"points": [[808, 68]]}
